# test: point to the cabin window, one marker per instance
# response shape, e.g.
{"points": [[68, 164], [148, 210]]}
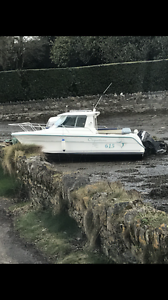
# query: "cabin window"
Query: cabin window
{"points": [[72, 121], [81, 121]]}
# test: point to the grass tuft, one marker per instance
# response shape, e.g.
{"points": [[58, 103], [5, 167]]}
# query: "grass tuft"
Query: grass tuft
{"points": [[111, 191], [152, 218], [11, 154], [8, 184]]}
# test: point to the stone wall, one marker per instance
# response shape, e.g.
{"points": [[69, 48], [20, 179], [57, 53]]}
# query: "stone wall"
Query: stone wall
{"points": [[41, 110], [125, 229]]}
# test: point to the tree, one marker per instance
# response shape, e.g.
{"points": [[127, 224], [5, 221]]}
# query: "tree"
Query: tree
{"points": [[25, 52], [31, 52], [36, 53], [74, 51], [6, 49], [70, 51], [60, 51], [19, 52]]}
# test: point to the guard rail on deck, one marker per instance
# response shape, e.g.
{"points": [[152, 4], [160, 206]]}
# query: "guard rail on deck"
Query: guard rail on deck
{"points": [[27, 126]]}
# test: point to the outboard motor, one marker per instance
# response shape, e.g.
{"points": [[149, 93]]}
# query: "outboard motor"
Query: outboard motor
{"points": [[152, 146]]}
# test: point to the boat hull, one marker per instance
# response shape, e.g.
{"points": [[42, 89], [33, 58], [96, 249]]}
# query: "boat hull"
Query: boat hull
{"points": [[98, 144]]}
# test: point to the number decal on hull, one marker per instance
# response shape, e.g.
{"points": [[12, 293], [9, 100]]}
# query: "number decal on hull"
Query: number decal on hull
{"points": [[109, 146], [112, 145]]}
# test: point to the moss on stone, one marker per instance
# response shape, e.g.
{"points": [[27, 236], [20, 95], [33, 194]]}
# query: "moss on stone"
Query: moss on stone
{"points": [[110, 192], [152, 218]]}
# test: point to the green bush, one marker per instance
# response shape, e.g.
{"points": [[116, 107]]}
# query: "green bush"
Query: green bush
{"points": [[129, 77]]}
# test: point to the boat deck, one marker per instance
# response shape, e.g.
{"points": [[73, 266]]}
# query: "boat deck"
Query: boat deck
{"points": [[110, 131]]}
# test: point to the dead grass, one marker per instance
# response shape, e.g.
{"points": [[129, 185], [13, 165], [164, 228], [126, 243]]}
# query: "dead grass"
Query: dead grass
{"points": [[111, 191], [11, 154]]}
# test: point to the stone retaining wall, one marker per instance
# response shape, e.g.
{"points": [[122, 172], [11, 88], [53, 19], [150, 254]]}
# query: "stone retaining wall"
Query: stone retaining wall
{"points": [[127, 230], [34, 110]]}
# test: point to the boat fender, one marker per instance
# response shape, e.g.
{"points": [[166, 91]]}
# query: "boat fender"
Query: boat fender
{"points": [[63, 145], [126, 130]]}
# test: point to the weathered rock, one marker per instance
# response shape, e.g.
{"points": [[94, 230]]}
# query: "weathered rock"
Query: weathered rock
{"points": [[42, 181]]}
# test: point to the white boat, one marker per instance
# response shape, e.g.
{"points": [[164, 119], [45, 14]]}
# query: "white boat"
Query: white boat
{"points": [[77, 132]]}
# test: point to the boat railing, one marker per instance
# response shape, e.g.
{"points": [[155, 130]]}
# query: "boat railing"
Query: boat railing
{"points": [[27, 126]]}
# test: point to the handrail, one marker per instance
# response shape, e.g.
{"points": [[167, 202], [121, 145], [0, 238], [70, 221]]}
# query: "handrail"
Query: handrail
{"points": [[32, 126]]}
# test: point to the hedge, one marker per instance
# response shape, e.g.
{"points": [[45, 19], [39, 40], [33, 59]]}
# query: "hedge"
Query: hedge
{"points": [[129, 77]]}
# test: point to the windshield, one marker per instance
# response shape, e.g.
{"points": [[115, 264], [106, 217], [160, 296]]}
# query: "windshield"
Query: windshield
{"points": [[55, 121], [60, 121], [74, 121], [67, 121]]}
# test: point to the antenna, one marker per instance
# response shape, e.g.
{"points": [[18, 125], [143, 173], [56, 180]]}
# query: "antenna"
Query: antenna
{"points": [[102, 95]]}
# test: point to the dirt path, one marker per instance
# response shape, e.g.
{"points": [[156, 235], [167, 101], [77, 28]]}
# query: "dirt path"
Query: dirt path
{"points": [[13, 250]]}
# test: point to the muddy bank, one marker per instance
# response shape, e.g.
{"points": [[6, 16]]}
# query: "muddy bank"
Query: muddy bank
{"points": [[143, 175], [110, 104]]}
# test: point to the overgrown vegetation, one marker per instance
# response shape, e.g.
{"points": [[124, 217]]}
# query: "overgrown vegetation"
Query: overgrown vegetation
{"points": [[11, 154], [111, 191], [151, 218]]}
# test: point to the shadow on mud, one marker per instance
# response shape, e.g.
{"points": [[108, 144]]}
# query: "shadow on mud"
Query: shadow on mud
{"points": [[71, 158]]}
